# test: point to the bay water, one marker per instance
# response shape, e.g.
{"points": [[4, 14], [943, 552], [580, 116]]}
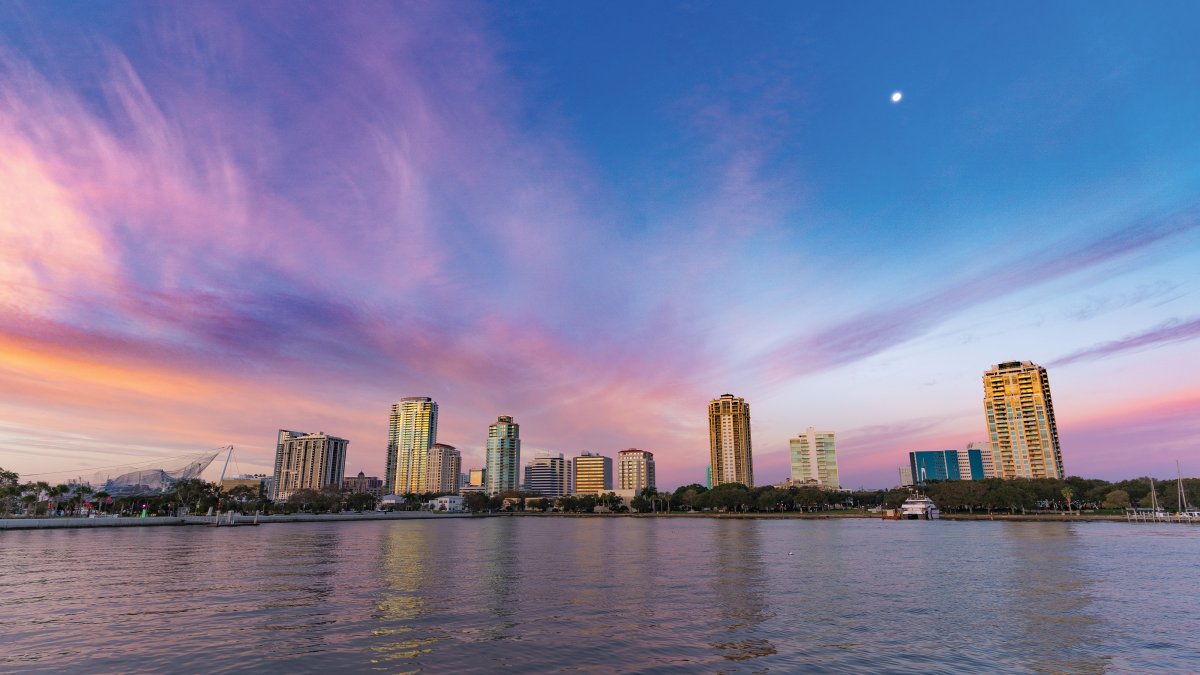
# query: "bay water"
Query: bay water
{"points": [[606, 594]]}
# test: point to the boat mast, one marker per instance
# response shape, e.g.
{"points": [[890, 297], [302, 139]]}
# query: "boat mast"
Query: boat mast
{"points": [[1153, 497], [1183, 505]]}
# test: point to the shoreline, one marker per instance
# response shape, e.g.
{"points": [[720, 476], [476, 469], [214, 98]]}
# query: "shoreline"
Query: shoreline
{"points": [[244, 521], [57, 523]]}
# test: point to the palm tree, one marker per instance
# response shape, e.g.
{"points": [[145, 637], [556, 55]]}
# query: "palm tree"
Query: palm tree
{"points": [[1067, 493], [100, 497]]}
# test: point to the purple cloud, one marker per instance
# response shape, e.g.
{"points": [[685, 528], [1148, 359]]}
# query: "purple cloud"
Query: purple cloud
{"points": [[1169, 332]]}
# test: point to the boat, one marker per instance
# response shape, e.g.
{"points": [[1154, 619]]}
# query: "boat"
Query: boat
{"points": [[919, 507]]}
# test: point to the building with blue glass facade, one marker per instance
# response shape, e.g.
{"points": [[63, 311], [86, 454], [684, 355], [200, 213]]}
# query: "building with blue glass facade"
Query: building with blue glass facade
{"points": [[939, 465]]}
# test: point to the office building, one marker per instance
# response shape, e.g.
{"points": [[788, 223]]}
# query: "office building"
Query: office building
{"points": [[1020, 419], [546, 475], [503, 456], [942, 465], [412, 431], [593, 474], [362, 483], [255, 481], [729, 441], [635, 470], [987, 457], [814, 459], [306, 461], [474, 481], [906, 479]]}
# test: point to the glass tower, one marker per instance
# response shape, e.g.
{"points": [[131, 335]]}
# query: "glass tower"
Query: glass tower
{"points": [[503, 456], [814, 459]]}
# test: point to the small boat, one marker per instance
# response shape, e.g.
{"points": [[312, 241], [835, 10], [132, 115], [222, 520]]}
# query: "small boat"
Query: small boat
{"points": [[919, 507]]}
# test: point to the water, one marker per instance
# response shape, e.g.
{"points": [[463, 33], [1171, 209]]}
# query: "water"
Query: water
{"points": [[604, 594]]}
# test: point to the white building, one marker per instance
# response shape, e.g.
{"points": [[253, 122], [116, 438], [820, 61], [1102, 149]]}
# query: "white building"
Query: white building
{"points": [[814, 459], [446, 503]]}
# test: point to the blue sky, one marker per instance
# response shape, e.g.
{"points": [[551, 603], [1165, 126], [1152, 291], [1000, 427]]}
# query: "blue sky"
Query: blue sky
{"points": [[595, 217]]}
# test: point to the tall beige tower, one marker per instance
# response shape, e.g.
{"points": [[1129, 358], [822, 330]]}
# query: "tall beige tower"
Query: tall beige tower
{"points": [[729, 441], [1020, 419], [412, 431]]}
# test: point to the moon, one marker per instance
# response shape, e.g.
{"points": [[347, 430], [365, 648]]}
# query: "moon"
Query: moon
{"points": [[896, 96]]}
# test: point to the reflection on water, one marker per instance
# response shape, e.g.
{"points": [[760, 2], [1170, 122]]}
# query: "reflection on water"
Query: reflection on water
{"points": [[739, 583], [1050, 601], [403, 565], [603, 594]]}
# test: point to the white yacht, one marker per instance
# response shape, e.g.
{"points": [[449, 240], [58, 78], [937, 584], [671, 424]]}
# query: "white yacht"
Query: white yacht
{"points": [[919, 507]]}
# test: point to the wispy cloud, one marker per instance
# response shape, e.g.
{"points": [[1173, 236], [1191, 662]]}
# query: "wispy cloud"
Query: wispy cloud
{"points": [[1169, 332], [889, 325]]}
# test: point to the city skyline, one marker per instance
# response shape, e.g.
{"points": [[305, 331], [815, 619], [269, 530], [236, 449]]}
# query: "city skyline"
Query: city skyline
{"points": [[595, 221]]}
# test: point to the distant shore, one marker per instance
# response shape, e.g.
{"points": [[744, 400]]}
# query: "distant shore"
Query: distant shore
{"points": [[242, 521], [818, 515], [238, 520]]}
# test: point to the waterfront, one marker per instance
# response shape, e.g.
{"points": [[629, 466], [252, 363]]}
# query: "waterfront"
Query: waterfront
{"points": [[544, 594]]}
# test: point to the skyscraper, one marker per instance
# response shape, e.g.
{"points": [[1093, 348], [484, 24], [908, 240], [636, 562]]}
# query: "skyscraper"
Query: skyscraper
{"points": [[412, 431], [593, 473], [814, 459], [445, 462], [1020, 419], [306, 461], [546, 475], [635, 470], [503, 456], [729, 441]]}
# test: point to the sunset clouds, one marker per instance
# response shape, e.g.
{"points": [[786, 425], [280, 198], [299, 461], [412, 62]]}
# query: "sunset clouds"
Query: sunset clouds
{"points": [[220, 220]]}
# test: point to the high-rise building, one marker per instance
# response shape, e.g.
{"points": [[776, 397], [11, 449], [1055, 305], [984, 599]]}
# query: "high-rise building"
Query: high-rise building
{"points": [[546, 475], [987, 457], [1020, 419], [503, 456], [412, 431], [814, 459], [906, 479], [941, 465], [445, 461], [635, 470], [593, 473], [306, 461], [729, 441]]}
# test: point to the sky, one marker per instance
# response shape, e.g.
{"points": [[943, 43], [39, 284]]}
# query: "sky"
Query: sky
{"points": [[222, 219]]}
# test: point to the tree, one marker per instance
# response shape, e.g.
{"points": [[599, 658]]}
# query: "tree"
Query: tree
{"points": [[1067, 493], [1117, 499], [360, 501], [304, 499], [476, 501], [10, 490]]}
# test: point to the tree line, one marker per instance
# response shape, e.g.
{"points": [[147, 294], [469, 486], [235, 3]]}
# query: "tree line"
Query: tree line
{"points": [[990, 495]]}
